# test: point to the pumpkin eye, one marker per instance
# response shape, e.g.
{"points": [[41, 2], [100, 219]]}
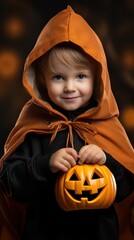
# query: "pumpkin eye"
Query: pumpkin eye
{"points": [[75, 178], [85, 187], [95, 176]]}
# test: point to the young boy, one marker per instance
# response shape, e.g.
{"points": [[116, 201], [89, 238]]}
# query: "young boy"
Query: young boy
{"points": [[72, 118]]}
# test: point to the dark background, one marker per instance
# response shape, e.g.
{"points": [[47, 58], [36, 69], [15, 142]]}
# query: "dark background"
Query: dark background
{"points": [[20, 24]]}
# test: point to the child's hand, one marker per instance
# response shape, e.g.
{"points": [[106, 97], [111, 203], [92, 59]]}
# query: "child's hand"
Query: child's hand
{"points": [[63, 160], [91, 154]]}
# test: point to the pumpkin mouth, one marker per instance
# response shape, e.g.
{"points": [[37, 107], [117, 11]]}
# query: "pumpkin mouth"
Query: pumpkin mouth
{"points": [[86, 194]]}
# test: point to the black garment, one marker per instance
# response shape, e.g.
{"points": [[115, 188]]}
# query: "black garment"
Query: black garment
{"points": [[27, 176]]}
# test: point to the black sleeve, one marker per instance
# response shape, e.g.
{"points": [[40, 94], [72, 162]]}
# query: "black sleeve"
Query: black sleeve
{"points": [[26, 172], [122, 176]]}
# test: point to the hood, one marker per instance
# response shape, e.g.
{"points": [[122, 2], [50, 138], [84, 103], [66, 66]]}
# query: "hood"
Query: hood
{"points": [[67, 26]]}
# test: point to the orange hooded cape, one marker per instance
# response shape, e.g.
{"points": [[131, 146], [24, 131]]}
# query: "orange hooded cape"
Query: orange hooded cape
{"points": [[99, 125]]}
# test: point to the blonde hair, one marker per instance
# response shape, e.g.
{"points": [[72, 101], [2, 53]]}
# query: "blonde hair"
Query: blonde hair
{"points": [[68, 54]]}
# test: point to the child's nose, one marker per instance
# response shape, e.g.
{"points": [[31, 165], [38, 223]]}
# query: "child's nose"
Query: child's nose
{"points": [[69, 86]]}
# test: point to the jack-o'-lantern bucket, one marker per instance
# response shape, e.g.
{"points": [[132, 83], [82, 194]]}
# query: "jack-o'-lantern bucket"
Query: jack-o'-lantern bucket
{"points": [[87, 186]]}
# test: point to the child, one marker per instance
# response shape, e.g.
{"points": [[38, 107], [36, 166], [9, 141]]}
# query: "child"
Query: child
{"points": [[72, 118]]}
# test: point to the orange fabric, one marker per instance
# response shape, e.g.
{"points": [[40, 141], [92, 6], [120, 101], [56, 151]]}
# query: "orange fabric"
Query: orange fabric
{"points": [[99, 125]]}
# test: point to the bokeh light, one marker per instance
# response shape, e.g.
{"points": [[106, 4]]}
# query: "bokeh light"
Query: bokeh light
{"points": [[127, 117], [128, 58], [10, 64], [14, 27]]}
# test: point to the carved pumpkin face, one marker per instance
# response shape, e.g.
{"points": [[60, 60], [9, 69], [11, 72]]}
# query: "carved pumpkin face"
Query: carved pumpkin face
{"points": [[85, 187]]}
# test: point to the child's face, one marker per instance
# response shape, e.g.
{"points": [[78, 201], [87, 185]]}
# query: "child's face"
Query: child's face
{"points": [[69, 88]]}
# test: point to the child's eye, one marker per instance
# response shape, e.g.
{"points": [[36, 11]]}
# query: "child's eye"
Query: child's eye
{"points": [[58, 77], [81, 76]]}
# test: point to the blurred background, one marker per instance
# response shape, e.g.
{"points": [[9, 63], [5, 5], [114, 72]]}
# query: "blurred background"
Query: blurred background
{"points": [[20, 24]]}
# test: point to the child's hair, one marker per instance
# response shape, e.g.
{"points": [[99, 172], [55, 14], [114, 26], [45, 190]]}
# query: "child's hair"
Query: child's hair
{"points": [[68, 54]]}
